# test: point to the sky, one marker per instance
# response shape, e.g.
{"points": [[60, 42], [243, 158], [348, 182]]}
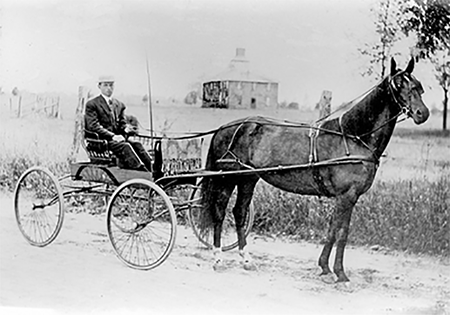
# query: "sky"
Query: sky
{"points": [[307, 46]]}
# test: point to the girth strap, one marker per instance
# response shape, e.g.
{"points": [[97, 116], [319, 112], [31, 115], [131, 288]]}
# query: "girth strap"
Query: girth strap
{"points": [[313, 133]]}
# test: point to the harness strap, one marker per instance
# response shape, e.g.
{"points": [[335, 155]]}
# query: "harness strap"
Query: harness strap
{"points": [[344, 137], [318, 179], [312, 145], [313, 159], [222, 158]]}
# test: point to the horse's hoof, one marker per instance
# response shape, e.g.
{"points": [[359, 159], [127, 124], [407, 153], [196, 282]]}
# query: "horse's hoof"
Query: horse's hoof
{"points": [[325, 271], [327, 278], [249, 266], [342, 278]]}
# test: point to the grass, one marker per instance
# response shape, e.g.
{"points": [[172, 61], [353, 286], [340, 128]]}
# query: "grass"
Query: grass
{"points": [[407, 213], [30, 142], [421, 133]]}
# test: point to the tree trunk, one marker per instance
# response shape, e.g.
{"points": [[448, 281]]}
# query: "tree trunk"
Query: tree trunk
{"points": [[445, 103]]}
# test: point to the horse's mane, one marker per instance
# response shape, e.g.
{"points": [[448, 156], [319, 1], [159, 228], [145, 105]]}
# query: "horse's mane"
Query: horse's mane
{"points": [[340, 110], [345, 107]]}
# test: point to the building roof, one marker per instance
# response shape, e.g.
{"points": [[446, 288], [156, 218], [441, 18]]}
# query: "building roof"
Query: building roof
{"points": [[244, 76], [239, 70]]}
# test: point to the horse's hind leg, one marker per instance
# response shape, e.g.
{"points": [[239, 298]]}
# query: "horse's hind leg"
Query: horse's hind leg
{"points": [[222, 194], [245, 191]]}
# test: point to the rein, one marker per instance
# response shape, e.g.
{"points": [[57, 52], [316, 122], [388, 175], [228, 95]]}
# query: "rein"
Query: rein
{"points": [[314, 129], [403, 109]]}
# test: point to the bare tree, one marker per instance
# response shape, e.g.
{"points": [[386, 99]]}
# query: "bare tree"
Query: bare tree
{"points": [[388, 30]]}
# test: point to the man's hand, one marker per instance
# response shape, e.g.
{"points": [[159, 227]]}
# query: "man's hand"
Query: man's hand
{"points": [[118, 138]]}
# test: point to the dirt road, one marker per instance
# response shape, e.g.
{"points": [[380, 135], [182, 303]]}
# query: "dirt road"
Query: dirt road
{"points": [[79, 273]]}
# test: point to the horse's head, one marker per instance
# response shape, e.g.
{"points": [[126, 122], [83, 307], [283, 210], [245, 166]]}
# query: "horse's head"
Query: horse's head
{"points": [[407, 91]]}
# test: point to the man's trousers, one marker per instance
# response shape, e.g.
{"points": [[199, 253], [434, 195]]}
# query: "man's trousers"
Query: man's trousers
{"points": [[131, 154]]}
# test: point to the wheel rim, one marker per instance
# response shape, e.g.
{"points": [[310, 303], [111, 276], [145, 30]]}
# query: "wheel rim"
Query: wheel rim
{"points": [[229, 236], [141, 224], [39, 206]]}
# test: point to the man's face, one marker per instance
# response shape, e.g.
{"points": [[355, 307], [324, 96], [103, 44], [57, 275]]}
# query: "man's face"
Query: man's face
{"points": [[107, 88]]}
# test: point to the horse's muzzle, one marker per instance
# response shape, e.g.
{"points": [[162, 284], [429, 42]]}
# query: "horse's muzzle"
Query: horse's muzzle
{"points": [[420, 115]]}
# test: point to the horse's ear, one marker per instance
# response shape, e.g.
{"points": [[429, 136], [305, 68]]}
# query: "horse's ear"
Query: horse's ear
{"points": [[409, 69], [393, 66]]}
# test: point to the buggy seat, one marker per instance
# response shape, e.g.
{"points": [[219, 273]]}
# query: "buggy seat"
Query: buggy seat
{"points": [[98, 152], [97, 149]]}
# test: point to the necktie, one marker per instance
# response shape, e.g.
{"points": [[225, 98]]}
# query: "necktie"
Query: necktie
{"points": [[110, 103]]}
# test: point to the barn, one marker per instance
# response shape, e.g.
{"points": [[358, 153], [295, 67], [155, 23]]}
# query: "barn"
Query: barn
{"points": [[239, 87]]}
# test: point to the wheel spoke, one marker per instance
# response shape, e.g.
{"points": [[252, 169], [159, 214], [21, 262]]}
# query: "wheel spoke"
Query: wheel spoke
{"points": [[39, 206], [145, 236], [229, 235]]}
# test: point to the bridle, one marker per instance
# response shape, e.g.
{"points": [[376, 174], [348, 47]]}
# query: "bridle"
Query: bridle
{"points": [[404, 109]]}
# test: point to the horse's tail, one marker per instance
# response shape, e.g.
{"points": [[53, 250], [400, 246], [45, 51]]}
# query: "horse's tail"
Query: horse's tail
{"points": [[208, 193]]}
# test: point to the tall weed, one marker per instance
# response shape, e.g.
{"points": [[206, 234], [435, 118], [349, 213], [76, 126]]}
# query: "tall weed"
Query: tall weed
{"points": [[33, 141], [405, 215], [411, 215]]}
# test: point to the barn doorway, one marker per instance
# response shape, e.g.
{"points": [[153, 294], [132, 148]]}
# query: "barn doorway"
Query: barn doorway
{"points": [[253, 103]]}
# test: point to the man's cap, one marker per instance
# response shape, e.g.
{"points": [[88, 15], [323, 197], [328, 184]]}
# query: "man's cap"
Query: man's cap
{"points": [[105, 78]]}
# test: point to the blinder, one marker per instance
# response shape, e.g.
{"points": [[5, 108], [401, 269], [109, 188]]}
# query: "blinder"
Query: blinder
{"points": [[404, 108]]}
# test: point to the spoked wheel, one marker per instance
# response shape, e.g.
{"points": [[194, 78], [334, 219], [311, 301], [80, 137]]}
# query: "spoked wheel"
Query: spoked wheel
{"points": [[141, 224], [39, 206], [229, 236], [179, 195]]}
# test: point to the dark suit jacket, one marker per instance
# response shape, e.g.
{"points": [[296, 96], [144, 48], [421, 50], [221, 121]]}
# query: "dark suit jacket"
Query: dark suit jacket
{"points": [[98, 118]]}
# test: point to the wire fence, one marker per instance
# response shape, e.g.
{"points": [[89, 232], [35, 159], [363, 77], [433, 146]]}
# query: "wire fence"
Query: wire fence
{"points": [[23, 105]]}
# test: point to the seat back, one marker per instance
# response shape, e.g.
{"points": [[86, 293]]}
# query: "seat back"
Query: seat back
{"points": [[97, 149]]}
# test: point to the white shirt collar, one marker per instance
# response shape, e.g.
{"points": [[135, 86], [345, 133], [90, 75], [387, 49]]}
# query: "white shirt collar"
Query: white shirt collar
{"points": [[107, 99]]}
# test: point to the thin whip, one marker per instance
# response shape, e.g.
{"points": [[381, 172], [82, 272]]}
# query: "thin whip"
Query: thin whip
{"points": [[149, 102]]}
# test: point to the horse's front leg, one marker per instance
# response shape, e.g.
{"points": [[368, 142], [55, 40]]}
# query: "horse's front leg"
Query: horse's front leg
{"points": [[326, 251], [342, 236], [338, 232]]}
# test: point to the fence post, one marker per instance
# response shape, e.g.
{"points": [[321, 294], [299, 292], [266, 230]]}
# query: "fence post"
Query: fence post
{"points": [[325, 104], [57, 114], [79, 122], [19, 107]]}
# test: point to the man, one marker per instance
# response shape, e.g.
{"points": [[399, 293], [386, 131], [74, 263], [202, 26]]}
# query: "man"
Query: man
{"points": [[105, 116]]}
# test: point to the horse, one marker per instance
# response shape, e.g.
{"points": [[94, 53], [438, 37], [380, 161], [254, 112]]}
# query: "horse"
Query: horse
{"points": [[338, 158]]}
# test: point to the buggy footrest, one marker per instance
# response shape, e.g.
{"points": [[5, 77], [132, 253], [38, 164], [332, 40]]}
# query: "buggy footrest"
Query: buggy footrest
{"points": [[105, 174]]}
